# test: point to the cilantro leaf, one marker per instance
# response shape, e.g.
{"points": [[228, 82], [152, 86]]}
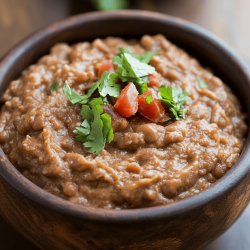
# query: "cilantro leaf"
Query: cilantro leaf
{"points": [[143, 88], [54, 87], [136, 68], [107, 128], [96, 129], [90, 92], [108, 85], [149, 99], [130, 69], [201, 84], [96, 102], [83, 131], [175, 99], [146, 57], [94, 141], [86, 112], [124, 50], [72, 96]]}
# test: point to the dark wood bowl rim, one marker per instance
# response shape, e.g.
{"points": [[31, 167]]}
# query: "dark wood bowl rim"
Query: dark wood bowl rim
{"points": [[26, 188]]}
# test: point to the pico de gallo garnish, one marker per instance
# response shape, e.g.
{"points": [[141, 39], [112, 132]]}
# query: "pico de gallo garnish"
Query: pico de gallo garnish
{"points": [[134, 87]]}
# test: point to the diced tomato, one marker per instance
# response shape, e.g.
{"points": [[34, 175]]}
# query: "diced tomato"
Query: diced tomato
{"points": [[154, 111], [153, 81], [127, 103], [108, 66], [115, 66]]}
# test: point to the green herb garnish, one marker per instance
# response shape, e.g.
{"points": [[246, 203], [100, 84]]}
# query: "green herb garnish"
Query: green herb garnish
{"points": [[96, 129], [54, 87], [201, 84], [130, 69], [106, 85], [146, 57], [73, 96], [149, 99], [175, 99], [143, 88]]}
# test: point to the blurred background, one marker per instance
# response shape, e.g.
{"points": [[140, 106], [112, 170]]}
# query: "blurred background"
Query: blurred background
{"points": [[228, 19]]}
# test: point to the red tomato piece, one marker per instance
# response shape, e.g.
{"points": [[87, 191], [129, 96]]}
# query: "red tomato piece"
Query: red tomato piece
{"points": [[154, 111], [108, 66], [127, 104], [115, 66], [153, 81]]}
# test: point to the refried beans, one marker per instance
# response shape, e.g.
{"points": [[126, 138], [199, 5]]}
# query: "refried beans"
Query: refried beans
{"points": [[147, 163]]}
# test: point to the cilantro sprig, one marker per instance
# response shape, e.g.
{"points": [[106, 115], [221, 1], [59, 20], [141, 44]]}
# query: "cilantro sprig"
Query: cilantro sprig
{"points": [[132, 68], [175, 99], [73, 96], [96, 129], [146, 57], [106, 86]]}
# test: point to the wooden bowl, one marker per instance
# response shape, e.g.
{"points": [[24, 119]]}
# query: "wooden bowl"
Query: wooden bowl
{"points": [[52, 223]]}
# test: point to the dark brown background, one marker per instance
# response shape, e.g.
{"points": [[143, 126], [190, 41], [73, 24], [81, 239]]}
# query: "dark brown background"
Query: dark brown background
{"points": [[228, 19]]}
